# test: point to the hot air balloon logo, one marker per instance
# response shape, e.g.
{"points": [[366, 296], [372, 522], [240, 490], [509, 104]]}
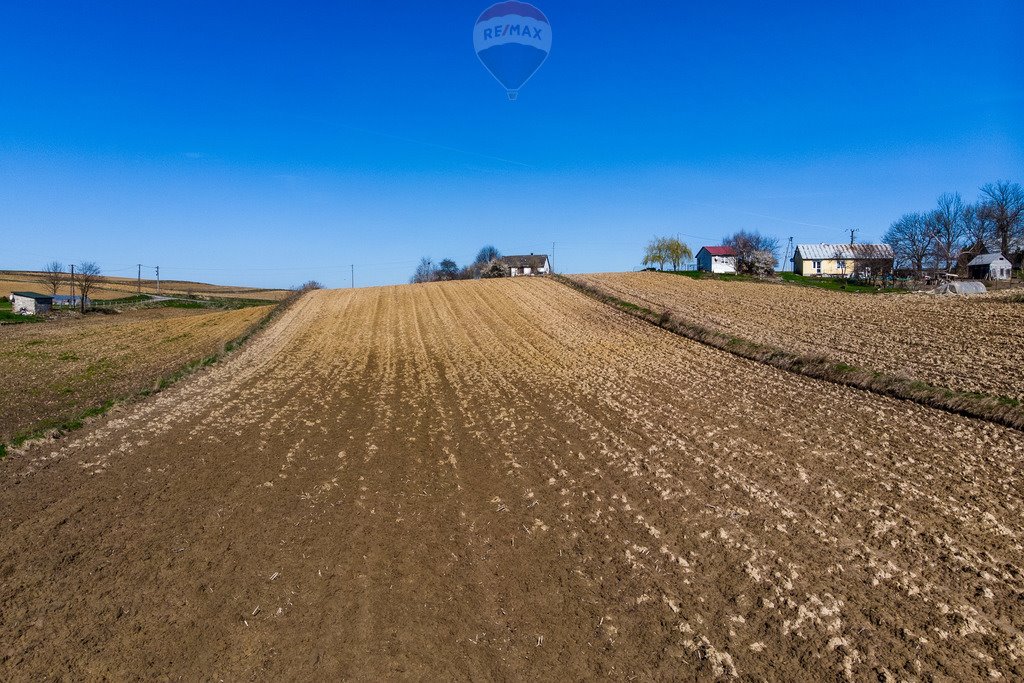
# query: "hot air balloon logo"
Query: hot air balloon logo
{"points": [[512, 39]]}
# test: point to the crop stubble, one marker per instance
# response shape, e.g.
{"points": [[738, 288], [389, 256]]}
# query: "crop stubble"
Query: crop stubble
{"points": [[53, 372], [508, 479]]}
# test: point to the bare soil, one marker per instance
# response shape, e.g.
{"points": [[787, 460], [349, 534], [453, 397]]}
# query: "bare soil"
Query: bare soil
{"points": [[969, 344], [494, 480]]}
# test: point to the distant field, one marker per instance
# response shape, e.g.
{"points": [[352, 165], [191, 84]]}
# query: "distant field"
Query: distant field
{"points": [[967, 344], [119, 287], [54, 371]]}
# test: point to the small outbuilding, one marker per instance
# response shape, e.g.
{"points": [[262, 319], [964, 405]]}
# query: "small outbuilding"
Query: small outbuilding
{"points": [[716, 260], [30, 303], [534, 264], [990, 267]]}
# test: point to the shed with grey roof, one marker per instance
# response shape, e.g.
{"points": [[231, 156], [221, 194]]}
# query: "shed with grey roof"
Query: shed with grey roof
{"points": [[990, 267], [30, 303]]}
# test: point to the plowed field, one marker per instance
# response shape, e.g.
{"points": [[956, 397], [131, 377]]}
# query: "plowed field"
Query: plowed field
{"points": [[973, 344], [510, 480]]}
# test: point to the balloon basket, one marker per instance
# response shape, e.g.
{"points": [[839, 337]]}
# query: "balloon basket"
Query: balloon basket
{"points": [[512, 95]]}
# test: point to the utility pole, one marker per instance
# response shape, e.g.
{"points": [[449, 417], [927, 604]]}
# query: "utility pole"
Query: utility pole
{"points": [[552, 263], [353, 267], [72, 284], [853, 234], [138, 281], [158, 279]]}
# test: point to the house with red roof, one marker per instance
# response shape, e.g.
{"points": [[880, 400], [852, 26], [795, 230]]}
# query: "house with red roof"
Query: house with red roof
{"points": [[716, 260]]}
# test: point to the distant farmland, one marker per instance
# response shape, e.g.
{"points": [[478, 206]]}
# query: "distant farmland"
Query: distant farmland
{"points": [[118, 287]]}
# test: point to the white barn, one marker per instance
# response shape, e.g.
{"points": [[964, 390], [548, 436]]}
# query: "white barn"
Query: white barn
{"points": [[30, 303], [716, 260]]}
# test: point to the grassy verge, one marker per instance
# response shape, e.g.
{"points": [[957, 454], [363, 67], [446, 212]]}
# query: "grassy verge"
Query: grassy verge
{"points": [[55, 429], [998, 409], [829, 283], [218, 303], [836, 284]]}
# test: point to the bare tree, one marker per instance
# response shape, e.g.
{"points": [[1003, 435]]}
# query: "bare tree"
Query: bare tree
{"points": [[911, 240], [447, 270], [1002, 203], [753, 251], [87, 274], [52, 276], [977, 230], [425, 272], [946, 223]]}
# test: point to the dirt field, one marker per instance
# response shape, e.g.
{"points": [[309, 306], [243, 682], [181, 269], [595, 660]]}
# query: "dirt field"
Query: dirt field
{"points": [[118, 287], [963, 343], [54, 371], [510, 480]]}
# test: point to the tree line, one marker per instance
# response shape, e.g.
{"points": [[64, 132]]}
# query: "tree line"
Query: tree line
{"points": [[949, 235], [485, 265], [85, 277]]}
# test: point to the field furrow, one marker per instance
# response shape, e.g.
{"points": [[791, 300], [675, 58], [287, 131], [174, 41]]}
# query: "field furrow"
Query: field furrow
{"points": [[970, 344], [510, 480]]}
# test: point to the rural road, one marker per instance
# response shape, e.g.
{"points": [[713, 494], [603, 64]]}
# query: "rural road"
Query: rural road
{"points": [[496, 480]]}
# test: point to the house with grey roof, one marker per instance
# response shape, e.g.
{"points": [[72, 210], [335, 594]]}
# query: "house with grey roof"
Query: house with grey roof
{"points": [[842, 260], [534, 264]]}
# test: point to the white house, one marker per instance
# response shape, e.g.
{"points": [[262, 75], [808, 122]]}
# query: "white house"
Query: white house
{"points": [[716, 260], [30, 303], [990, 267], [534, 264]]}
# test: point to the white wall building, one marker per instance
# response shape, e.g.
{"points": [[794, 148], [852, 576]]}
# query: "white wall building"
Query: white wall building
{"points": [[30, 303], [716, 260]]}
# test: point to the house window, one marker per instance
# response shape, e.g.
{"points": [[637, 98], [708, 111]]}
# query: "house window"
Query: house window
{"points": [[816, 267], [841, 265]]}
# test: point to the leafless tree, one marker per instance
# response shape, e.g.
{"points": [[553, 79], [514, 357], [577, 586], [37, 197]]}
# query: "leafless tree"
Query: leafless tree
{"points": [[977, 230], [946, 223], [1002, 203], [751, 248], [911, 240], [87, 274], [426, 271], [53, 276]]}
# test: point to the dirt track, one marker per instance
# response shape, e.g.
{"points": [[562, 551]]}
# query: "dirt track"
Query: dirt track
{"points": [[507, 479]]}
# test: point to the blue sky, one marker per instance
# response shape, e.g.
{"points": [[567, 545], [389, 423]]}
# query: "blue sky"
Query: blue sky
{"points": [[268, 143]]}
